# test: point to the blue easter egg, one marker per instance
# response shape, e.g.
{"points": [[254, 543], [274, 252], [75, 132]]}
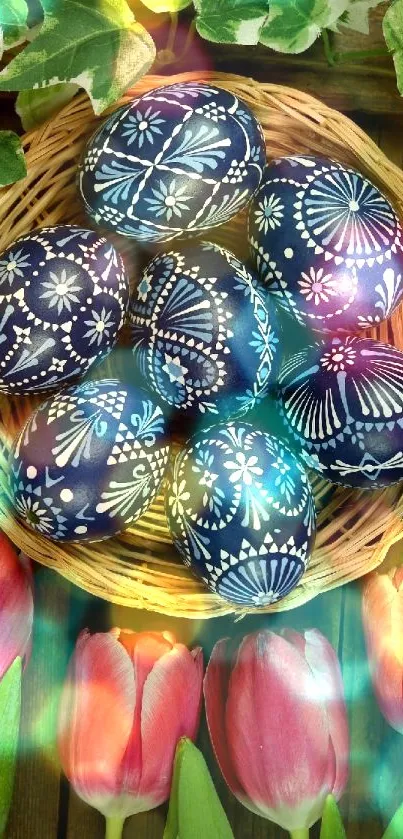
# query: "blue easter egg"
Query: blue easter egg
{"points": [[204, 336], [89, 461], [342, 400], [241, 513], [328, 244], [63, 299], [180, 159]]}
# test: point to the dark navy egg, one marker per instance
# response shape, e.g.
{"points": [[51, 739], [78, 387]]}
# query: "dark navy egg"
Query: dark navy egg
{"points": [[89, 461], [327, 243], [241, 513], [204, 336], [63, 299], [180, 159], [343, 402]]}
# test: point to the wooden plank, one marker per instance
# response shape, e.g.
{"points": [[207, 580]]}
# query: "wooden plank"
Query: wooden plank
{"points": [[34, 812]]}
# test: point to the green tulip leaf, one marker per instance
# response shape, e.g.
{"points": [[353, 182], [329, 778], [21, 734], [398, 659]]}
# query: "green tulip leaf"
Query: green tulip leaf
{"points": [[10, 713], [195, 811], [332, 826], [293, 25], [395, 828], [231, 21], [12, 160], [393, 33], [13, 23], [95, 44], [36, 106]]}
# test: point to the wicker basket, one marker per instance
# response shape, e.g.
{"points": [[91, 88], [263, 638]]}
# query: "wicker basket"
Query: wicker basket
{"points": [[140, 568]]}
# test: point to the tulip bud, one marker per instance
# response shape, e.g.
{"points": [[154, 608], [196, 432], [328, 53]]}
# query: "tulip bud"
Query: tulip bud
{"points": [[382, 616], [128, 699], [278, 724], [16, 605]]}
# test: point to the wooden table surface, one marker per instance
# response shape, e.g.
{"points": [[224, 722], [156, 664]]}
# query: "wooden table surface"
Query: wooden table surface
{"points": [[44, 807]]}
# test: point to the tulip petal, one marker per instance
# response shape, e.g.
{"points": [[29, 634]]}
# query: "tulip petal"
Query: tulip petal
{"points": [[382, 616], [277, 731], [96, 716], [325, 666], [16, 606], [145, 649], [170, 710], [215, 696]]}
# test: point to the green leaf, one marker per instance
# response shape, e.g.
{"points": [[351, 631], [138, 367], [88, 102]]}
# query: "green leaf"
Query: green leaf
{"points": [[395, 828], [12, 160], [13, 22], [172, 6], [195, 811], [93, 43], [36, 106], [332, 825], [231, 21], [393, 32], [356, 15], [10, 713], [293, 25]]}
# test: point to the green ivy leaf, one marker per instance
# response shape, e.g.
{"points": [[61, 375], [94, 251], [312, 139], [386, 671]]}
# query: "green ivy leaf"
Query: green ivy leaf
{"points": [[195, 811], [393, 33], [36, 106], [10, 713], [231, 21], [356, 15], [395, 827], [293, 25], [332, 825], [13, 23], [93, 43], [12, 161]]}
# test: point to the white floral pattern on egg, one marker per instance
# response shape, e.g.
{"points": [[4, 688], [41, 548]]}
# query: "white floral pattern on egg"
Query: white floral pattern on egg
{"points": [[63, 299], [328, 244]]}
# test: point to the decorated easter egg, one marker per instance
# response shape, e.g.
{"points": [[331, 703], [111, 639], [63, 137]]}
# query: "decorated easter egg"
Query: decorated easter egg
{"points": [[342, 399], [241, 513], [180, 159], [89, 461], [204, 337], [63, 299], [328, 244]]}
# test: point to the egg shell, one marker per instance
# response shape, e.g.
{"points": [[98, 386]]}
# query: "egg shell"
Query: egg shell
{"points": [[63, 299], [204, 337], [241, 513], [89, 461], [327, 243], [343, 401], [180, 159]]}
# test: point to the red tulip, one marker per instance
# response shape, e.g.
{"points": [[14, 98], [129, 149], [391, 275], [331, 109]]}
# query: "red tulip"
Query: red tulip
{"points": [[128, 699], [382, 615], [16, 606], [278, 724]]}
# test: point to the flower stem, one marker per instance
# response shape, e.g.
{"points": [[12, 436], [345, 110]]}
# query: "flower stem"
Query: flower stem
{"points": [[114, 828], [302, 833], [327, 47], [357, 55], [172, 32]]}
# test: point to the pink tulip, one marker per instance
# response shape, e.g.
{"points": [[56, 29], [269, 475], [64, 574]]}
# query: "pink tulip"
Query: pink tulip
{"points": [[382, 615], [16, 606], [128, 699], [278, 724]]}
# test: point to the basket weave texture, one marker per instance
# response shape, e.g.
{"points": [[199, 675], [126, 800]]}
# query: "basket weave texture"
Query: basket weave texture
{"points": [[140, 568]]}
